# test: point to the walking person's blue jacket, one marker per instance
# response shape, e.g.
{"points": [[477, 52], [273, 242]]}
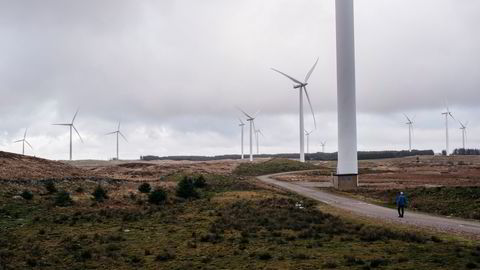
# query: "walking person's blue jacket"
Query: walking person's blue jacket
{"points": [[401, 200]]}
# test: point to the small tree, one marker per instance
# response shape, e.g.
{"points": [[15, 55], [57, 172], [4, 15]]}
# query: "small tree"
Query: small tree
{"points": [[200, 182], [63, 199], [145, 188], [185, 188], [50, 187], [27, 195], [100, 194], [157, 196]]}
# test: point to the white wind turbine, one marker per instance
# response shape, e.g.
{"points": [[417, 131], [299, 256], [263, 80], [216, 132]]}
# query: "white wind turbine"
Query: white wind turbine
{"points": [[410, 131], [117, 132], [323, 146], [307, 133], [463, 127], [447, 114], [24, 140], [241, 125], [250, 119], [258, 131], [71, 126], [302, 86]]}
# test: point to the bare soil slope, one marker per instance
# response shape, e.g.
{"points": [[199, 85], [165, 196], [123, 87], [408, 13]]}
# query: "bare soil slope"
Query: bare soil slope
{"points": [[20, 167]]}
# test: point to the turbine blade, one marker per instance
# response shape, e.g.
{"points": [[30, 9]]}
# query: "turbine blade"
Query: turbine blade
{"points": [[25, 134], [61, 124], [246, 114], [311, 108], [118, 129], [408, 119], [18, 141], [29, 144], [291, 78], [75, 116], [241, 122], [121, 134], [257, 113], [110, 133], [311, 71], [77, 133]]}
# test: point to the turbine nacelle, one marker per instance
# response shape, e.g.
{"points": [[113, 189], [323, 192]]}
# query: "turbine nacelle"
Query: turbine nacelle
{"points": [[300, 85]]}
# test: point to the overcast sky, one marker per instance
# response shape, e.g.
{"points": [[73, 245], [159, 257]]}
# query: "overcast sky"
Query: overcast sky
{"points": [[173, 72]]}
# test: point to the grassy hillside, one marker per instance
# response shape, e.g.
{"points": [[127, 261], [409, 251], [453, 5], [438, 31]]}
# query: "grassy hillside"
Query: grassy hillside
{"points": [[232, 225], [276, 165]]}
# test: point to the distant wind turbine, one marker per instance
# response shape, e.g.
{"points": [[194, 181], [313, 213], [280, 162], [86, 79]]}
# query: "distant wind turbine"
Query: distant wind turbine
{"points": [[250, 119], [307, 133], [410, 131], [302, 86], [464, 133], [447, 114], [24, 140], [258, 131], [117, 132], [241, 125], [323, 146], [71, 127]]}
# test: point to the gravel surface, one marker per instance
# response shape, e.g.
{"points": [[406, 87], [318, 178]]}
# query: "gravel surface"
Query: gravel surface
{"points": [[444, 224]]}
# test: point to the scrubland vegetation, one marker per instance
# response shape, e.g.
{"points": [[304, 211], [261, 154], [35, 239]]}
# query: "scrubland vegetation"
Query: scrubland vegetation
{"points": [[204, 222]]}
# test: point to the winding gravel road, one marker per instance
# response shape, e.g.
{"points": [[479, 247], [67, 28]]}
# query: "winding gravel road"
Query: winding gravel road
{"points": [[374, 211]]}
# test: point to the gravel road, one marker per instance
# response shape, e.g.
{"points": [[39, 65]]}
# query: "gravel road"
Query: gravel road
{"points": [[444, 224]]}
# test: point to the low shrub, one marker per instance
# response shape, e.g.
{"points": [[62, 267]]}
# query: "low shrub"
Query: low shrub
{"points": [[50, 187], [63, 199], [100, 194], [157, 196], [27, 195], [145, 188], [199, 182], [186, 189]]}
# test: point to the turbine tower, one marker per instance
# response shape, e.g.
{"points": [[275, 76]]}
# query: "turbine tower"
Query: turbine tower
{"points": [[447, 114], [302, 86], [117, 132], [308, 140], [323, 146], [464, 133], [258, 131], [24, 140], [71, 126], [250, 119], [241, 125], [410, 131], [347, 166]]}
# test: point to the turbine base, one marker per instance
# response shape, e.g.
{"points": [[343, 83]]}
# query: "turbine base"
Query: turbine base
{"points": [[345, 181]]}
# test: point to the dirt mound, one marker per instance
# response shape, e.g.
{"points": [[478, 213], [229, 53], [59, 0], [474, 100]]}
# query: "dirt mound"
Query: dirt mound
{"points": [[20, 167]]}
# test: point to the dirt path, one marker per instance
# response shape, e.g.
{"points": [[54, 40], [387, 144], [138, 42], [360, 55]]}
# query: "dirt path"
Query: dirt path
{"points": [[374, 211]]}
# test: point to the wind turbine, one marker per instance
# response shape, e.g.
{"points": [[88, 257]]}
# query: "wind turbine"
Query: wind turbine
{"points": [[447, 114], [302, 86], [464, 133], [308, 140], [323, 146], [250, 119], [241, 125], [71, 127], [117, 132], [24, 140], [410, 131], [258, 131]]}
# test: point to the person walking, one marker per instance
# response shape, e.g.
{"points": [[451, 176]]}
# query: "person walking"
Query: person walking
{"points": [[401, 202]]}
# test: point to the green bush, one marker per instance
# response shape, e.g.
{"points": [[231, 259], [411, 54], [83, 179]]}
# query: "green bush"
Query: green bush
{"points": [[100, 194], [50, 187], [145, 188], [27, 195], [63, 199], [157, 196], [200, 182], [186, 189]]}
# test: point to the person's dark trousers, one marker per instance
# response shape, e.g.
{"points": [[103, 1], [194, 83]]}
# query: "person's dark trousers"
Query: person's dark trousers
{"points": [[401, 211]]}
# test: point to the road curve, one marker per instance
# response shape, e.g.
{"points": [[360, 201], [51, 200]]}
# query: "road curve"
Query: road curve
{"points": [[374, 211]]}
